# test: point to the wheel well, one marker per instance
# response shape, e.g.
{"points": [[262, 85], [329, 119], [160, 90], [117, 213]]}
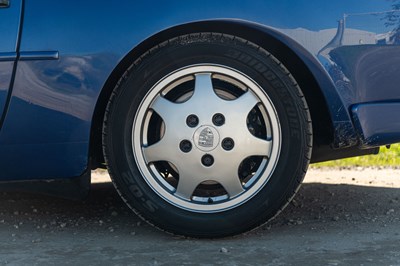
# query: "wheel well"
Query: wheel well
{"points": [[321, 119]]}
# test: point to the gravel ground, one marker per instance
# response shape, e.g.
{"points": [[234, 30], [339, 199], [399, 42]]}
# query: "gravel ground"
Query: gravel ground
{"points": [[339, 217]]}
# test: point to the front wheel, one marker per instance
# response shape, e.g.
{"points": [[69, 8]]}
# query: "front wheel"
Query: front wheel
{"points": [[207, 135]]}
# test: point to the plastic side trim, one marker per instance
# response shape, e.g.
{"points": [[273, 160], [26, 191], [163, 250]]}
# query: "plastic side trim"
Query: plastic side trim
{"points": [[377, 123], [39, 55], [8, 56]]}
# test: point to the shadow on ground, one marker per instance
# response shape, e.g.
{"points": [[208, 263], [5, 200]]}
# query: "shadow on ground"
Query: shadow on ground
{"points": [[314, 202], [332, 224]]}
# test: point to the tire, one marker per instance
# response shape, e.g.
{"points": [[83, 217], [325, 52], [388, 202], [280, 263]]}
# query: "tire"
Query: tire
{"points": [[207, 135]]}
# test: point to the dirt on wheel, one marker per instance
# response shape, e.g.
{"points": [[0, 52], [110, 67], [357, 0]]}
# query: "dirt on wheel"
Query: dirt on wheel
{"points": [[339, 217]]}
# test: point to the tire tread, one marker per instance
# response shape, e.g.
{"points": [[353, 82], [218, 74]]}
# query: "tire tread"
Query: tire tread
{"points": [[281, 72]]}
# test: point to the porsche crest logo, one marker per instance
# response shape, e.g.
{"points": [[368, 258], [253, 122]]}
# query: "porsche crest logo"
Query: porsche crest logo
{"points": [[206, 138]]}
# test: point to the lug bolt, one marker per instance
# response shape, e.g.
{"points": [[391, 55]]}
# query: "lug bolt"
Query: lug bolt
{"points": [[218, 119], [207, 160], [192, 120], [228, 144], [185, 146]]}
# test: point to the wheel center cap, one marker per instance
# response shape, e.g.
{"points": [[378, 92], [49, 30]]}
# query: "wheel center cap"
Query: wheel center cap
{"points": [[206, 138]]}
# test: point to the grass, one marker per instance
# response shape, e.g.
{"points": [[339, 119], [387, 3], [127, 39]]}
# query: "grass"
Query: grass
{"points": [[385, 158]]}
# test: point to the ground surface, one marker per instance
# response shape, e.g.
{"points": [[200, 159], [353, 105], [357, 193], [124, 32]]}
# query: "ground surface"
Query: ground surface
{"points": [[339, 217]]}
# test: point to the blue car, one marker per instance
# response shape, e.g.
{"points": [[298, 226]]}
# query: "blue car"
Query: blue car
{"points": [[205, 113]]}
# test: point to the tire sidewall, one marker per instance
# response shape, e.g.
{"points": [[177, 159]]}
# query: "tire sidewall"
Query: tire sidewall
{"points": [[179, 53]]}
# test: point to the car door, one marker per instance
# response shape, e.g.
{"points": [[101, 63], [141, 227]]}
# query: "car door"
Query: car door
{"points": [[10, 18]]}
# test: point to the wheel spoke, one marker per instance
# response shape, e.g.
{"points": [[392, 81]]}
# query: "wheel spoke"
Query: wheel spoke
{"points": [[231, 182], [164, 108], [158, 152], [203, 88], [186, 185], [245, 103], [256, 146]]}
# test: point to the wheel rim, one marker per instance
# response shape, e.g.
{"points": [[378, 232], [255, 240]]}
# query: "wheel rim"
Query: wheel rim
{"points": [[206, 138]]}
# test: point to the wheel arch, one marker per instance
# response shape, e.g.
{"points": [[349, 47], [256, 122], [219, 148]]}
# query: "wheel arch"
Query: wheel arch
{"points": [[311, 77]]}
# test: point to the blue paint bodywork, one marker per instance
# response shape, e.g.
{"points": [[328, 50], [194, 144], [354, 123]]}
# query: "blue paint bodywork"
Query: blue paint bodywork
{"points": [[68, 55]]}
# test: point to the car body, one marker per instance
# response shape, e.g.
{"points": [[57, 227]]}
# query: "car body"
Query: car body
{"points": [[60, 62]]}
